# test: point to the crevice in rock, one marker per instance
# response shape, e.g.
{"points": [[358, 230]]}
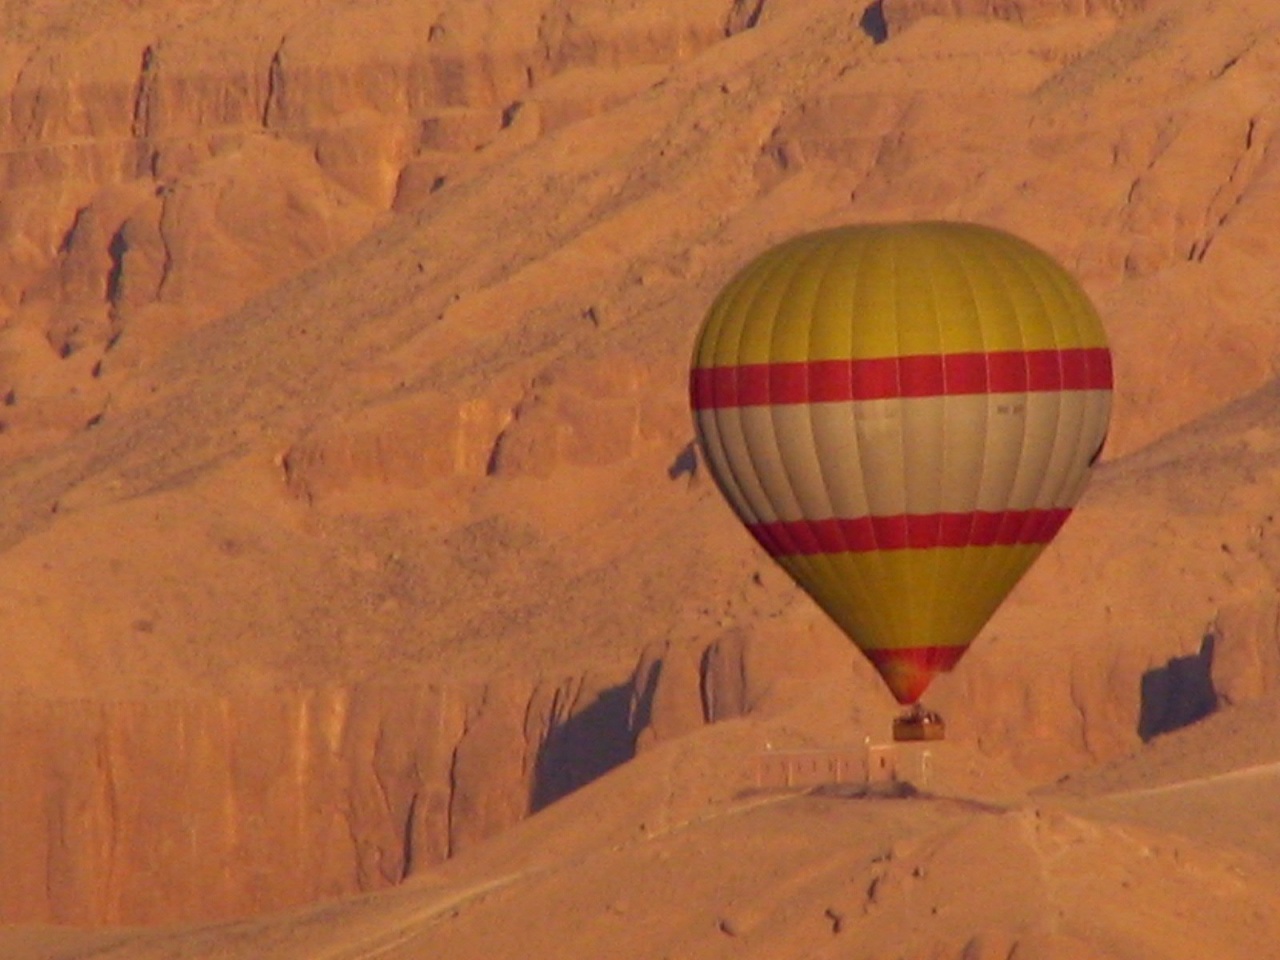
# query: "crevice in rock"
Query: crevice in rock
{"points": [[643, 690], [450, 809], [275, 84], [116, 248], [744, 15], [406, 853], [140, 121]]}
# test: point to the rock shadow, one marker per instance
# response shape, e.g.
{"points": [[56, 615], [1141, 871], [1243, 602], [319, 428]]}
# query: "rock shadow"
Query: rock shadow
{"points": [[1179, 693], [873, 23], [685, 464], [586, 746]]}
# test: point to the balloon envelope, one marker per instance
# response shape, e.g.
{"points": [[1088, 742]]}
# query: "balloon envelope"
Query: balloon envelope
{"points": [[903, 416]]}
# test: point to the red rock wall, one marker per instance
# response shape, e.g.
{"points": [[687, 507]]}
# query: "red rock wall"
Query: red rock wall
{"points": [[168, 810], [899, 14]]}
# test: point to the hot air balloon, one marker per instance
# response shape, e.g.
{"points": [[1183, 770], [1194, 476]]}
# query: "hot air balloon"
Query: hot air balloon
{"points": [[903, 415]]}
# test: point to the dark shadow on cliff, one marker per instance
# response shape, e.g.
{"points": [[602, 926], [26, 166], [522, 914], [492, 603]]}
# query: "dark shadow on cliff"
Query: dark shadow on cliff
{"points": [[586, 746], [685, 464], [873, 23], [1179, 693]]}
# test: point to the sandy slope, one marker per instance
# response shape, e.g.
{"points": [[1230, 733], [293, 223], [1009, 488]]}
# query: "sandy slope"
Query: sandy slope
{"points": [[658, 859]]}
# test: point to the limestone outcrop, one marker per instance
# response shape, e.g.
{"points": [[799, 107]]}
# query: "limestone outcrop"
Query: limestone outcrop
{"points": [[163, 810], [350, 509]]}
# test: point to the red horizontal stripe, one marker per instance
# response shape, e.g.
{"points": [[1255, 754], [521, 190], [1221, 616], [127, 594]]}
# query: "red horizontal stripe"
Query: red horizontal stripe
{"points": [[981, 528], [925, 375]]}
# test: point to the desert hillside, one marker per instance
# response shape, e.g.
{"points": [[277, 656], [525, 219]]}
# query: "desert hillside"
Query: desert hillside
{"points": [[351, 512]]}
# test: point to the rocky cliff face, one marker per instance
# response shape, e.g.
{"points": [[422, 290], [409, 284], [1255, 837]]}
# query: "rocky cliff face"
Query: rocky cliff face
{"points": [[346, 464], [159, 172], [155, 175], [899, 14], [148, 811]]}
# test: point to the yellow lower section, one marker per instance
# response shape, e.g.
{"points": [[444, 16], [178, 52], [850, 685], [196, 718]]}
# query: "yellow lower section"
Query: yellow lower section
{"points": [[891, 599]]}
